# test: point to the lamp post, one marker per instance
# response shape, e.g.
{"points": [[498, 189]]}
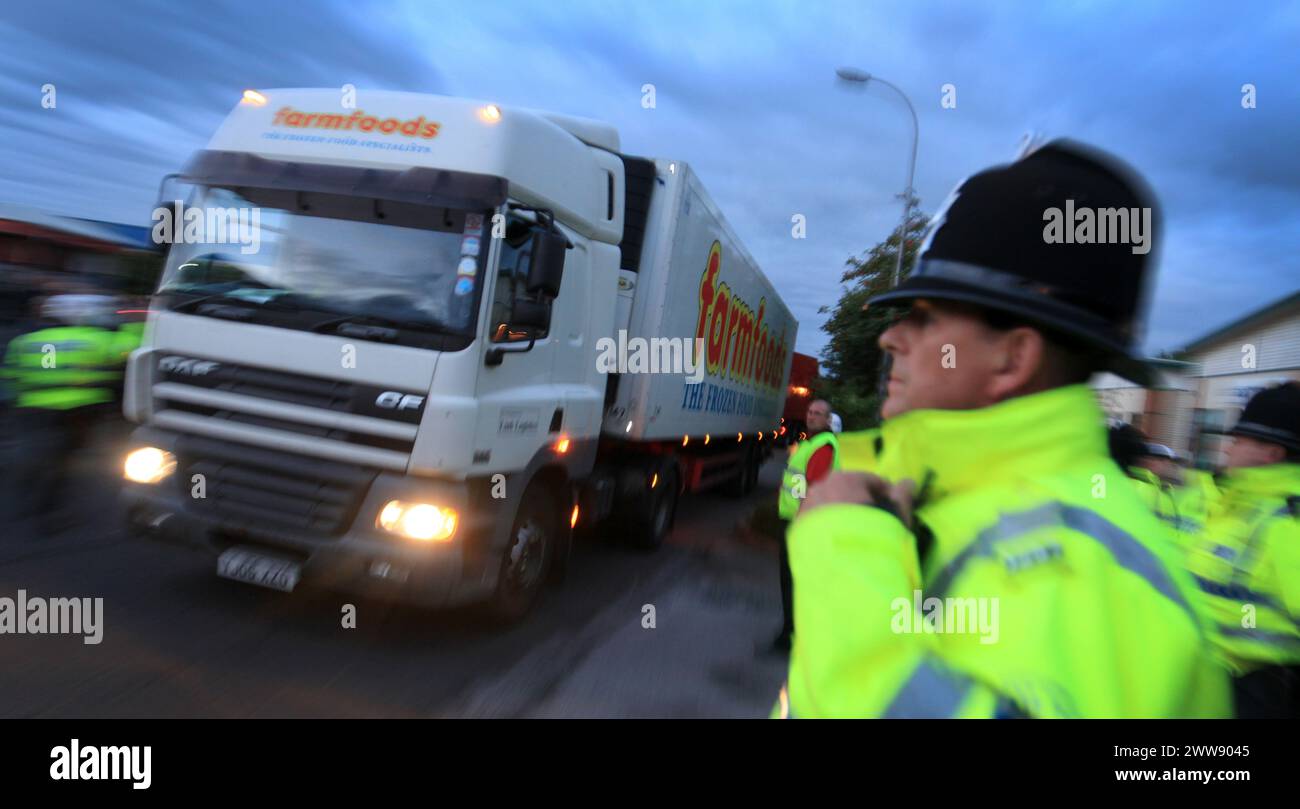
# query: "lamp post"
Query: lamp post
{"points": [[861, 78]]}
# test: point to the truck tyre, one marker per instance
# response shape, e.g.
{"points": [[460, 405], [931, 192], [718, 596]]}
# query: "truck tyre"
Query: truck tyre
{"points": [[529, 553], [648, 528]]}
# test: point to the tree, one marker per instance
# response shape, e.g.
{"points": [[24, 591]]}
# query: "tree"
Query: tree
{"points": [[851, 361]]}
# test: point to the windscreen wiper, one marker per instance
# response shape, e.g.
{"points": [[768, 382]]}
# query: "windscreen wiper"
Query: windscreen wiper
{"points": [[369, 327], [225, 297], [193, 303]]}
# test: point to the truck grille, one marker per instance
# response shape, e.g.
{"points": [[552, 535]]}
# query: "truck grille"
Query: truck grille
{"points": [[251, 488], [225, 393], [279, 386], [330, 433]]}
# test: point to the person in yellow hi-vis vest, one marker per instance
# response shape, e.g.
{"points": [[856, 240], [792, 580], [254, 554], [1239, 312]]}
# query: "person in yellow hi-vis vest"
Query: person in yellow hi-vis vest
{"points": [[810, 460], [1000, 563], [1247, 562], [64, 375], [1160, 482]]}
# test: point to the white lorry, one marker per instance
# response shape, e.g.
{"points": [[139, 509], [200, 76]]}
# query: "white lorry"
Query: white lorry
{"points": [[413, 345]]}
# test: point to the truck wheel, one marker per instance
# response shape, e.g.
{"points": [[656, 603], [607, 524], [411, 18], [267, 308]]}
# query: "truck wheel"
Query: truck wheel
{"points": [[648, 529], [529, 553]]}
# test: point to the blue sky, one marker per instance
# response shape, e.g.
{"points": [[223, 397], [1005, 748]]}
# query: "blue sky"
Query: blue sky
{"points": [[745, 92]]}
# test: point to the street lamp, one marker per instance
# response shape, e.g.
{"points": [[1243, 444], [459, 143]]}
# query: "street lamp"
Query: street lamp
{"points": [[861, 77]]}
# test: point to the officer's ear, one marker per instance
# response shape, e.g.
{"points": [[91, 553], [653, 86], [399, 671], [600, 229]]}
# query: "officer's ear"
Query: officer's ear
{"points": [[1020, 363]]}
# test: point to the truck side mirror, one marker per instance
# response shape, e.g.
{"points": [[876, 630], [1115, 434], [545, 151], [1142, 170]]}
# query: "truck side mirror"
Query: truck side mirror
{"points": [[546, 269]]}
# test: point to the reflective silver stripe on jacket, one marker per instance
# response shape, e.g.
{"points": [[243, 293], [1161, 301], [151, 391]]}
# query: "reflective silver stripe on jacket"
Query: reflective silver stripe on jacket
{"points": [[1128, 552], [1244, 561], [1261, 636], [931, 692]]}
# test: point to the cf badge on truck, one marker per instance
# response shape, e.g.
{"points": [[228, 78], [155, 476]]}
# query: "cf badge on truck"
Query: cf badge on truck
{"points": [[396, 400]]}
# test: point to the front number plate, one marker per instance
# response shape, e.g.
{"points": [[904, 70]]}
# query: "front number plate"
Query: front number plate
{"points": [[252, 567]]}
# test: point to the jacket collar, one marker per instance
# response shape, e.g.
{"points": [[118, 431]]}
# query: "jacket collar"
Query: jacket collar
{"points": [[1025, 437], [1273, 480], [1146, 476]]}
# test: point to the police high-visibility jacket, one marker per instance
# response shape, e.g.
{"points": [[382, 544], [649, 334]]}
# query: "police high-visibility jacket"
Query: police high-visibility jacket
{"points": [[858, 451], [1196, 498], [1247, 565], [793, 484], [1158, 495], [1180, 507], [1053, 589], [63, 367]]}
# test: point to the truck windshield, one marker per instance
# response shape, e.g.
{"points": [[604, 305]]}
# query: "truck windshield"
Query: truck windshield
{"points": [[277, 251]]}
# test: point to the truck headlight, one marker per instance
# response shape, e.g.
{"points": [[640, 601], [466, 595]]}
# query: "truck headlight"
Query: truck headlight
{"points": [[148, 465], [422, 521]]}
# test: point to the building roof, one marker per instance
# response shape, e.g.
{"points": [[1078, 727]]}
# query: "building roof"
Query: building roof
{"points": [[110, 233], [1245, 321], [130, 235]]}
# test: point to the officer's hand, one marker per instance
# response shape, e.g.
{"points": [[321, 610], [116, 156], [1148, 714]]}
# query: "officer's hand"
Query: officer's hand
{"points": [[839, 487], [863, 489]]}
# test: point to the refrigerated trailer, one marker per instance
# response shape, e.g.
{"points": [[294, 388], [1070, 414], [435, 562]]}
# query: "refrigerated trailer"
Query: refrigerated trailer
{"points": [[413, 346]]}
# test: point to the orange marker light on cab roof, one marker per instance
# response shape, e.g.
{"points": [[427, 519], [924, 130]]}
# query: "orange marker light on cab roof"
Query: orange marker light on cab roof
{"points": [[253, 97], [562, 445]]}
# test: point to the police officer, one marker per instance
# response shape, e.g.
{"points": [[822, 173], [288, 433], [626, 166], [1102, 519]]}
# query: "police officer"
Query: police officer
{"points": [[63, 376], [1247, 562], [1156, 478], [1192, 492], [1000, 564], [810, 460]]}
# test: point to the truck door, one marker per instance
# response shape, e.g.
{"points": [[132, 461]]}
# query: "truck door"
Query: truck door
{"points": [[518, 398]]}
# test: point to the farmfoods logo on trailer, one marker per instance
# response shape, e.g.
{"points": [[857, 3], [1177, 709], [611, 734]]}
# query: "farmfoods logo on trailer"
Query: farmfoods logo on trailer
{"points": [[738, 344], [357, 121]]}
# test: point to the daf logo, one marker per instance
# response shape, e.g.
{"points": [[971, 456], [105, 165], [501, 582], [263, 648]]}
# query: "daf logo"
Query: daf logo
{"points": [[187, 366], [396, 400]]}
